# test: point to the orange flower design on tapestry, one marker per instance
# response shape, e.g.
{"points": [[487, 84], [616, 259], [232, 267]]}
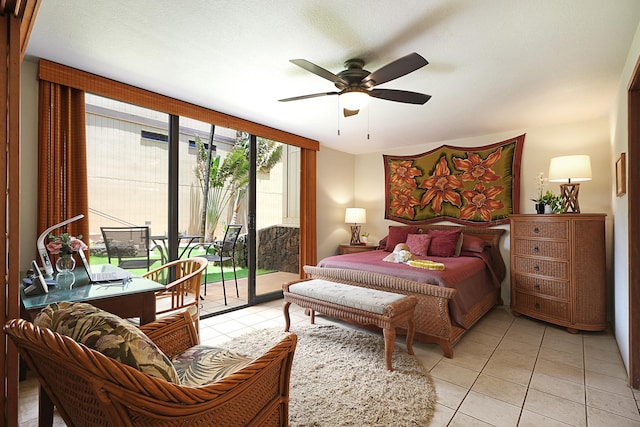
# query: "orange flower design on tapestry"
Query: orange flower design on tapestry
{"points": [[481, 201], [441, 187], [403, 174], [403, 202], [477, 186]]}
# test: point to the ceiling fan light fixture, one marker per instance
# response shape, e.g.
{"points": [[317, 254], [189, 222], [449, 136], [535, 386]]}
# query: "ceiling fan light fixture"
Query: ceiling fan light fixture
{"points": [[354, 99]]}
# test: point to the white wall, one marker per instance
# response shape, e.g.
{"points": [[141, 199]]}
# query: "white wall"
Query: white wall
{"points": [[591, 137], [619, 145], [335, 184]]}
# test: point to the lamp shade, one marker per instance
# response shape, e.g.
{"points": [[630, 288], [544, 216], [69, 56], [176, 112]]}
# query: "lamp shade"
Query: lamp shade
{"points": [[570, 169], [354, 99], [355, 216]]}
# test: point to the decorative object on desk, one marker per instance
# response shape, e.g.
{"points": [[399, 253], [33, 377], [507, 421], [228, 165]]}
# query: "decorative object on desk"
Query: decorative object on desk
{"points": [[355, 216], [573, 170], [65, 263], [364, 237], [42, 250], [65, 279], [621, 175], [64, 246]]}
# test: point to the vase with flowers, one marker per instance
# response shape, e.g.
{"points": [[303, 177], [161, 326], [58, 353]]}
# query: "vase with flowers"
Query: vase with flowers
{"points": [[541, 183], [64, 246]]}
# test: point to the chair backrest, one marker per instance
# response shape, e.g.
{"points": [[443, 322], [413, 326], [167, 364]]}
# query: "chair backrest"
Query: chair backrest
{"points": [[126, 242], [231, 237], [183, 290], [91, 389]]}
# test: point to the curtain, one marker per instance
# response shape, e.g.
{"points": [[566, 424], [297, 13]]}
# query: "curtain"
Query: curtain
{"points": [[62, 163]]}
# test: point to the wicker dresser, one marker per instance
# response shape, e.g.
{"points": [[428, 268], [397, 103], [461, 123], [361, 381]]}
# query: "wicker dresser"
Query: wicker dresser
{"points": [[558, 269]]}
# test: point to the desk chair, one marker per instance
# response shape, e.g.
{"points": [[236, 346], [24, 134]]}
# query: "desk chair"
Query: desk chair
{"points": [[222, 251], [183, 291], [130, 246]]}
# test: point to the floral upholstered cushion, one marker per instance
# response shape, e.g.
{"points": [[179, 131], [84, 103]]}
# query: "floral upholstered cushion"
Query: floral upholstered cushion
{"points": [[109, 334], [202, 365]]}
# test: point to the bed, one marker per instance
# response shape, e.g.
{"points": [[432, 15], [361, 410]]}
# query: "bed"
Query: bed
{"points": [[449, 301]]}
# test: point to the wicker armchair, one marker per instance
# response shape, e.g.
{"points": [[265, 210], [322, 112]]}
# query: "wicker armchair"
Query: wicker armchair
{"points": [[91, 389], [183, 290]]}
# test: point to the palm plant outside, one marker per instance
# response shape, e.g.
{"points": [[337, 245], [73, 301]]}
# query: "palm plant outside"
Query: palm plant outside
{"points": [[229, 177]]}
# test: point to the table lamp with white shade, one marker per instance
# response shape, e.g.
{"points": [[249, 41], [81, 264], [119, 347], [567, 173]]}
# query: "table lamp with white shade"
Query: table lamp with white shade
{"points": [[573, 170], [355, 216]]}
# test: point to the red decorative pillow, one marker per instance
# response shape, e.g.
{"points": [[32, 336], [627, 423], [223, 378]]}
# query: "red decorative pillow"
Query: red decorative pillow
{"points": [[398, 235], [473, 243], [418, 244], [445, 243]]}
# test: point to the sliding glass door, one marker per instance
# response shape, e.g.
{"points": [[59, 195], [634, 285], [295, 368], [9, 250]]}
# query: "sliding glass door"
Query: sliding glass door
{"points": [[189, 182], [277, 213]]}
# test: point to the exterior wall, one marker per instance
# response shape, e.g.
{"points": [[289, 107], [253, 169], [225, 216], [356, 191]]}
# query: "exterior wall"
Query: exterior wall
{"points": [[278, 248]]}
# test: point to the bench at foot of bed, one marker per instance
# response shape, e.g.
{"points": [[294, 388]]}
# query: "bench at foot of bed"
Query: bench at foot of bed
{"points": [[364, 306]]}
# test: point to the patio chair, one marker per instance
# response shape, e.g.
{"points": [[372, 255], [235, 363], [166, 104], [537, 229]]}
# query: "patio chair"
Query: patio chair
{"points": [[130, 246], [222, 251], [141, 377], [183, 287]]}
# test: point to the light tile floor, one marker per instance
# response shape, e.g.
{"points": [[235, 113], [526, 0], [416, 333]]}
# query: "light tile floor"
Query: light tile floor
{"points": [[506, 371]]}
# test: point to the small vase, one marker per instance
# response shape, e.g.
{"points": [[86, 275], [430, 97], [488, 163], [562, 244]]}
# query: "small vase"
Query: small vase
{"points": [[540, 208], [547, 209], [65, 263]]}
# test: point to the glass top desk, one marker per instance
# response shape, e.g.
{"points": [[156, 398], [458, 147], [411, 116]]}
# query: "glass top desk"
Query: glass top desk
{"points": [[130, 298]]}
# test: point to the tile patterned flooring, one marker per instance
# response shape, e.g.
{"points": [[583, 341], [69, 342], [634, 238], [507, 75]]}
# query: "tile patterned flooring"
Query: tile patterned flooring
{"points": [[506, 371]]}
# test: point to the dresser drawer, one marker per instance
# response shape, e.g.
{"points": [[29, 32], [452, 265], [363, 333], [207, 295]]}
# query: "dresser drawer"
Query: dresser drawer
{"points": [[542, 229], [540, 307], [542, 267], [543, 248], [531, 284]]}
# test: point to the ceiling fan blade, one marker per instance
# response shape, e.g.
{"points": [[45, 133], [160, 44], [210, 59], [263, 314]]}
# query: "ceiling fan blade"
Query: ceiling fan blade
{"points": [[400, 96], [314, 95], [349, 113], [395, 69], [319, 71]]}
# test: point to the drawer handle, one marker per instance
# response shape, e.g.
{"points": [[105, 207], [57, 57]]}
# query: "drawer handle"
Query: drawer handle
{"points": [[536, 230], [536, 267], [536, 249], [536, 286], [537, 305]]}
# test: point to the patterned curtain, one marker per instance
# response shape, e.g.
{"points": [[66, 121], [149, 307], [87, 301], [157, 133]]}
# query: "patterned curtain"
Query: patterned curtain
{"points": [[62, 159]]}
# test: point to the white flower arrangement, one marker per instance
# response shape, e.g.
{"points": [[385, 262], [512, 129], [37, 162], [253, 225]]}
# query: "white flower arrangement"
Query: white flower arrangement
{"points": [[541, 185]]}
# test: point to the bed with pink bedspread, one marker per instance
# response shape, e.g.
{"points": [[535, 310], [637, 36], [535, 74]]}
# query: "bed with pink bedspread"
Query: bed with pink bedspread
{"points": [[449, 301]]}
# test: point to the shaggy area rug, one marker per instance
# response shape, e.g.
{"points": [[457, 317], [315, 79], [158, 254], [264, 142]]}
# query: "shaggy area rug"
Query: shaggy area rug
{"points": [[339, 378]]}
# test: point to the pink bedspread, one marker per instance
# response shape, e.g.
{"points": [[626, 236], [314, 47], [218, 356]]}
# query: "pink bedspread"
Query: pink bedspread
{"points": [[470, 274]]}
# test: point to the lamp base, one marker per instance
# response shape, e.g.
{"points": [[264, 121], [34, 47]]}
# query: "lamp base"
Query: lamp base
{"points": [[569, 193], [355, 235]]}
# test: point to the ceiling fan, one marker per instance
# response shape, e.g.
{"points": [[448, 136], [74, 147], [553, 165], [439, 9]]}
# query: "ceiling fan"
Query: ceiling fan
{"points": [[356, 84]]}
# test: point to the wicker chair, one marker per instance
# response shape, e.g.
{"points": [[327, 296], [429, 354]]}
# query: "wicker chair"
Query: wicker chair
{"points": [[91, 389], [183, 289]]}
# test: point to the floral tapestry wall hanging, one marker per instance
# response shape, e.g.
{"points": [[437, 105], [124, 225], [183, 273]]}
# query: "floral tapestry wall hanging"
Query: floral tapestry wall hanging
{"points": [[477, 186]]}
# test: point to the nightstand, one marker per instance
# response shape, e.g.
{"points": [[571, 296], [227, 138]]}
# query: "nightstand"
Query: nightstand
{"points": [[352, 249]]}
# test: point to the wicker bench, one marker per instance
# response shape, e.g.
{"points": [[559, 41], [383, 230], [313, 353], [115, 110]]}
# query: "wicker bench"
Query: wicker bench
{"points": [[363, 306]]}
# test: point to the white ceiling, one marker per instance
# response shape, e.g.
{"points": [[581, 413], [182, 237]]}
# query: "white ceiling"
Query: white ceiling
{"points": [[495, 65]]}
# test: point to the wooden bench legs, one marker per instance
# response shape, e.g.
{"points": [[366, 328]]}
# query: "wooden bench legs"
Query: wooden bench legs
{"points": [[387, 324]]}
